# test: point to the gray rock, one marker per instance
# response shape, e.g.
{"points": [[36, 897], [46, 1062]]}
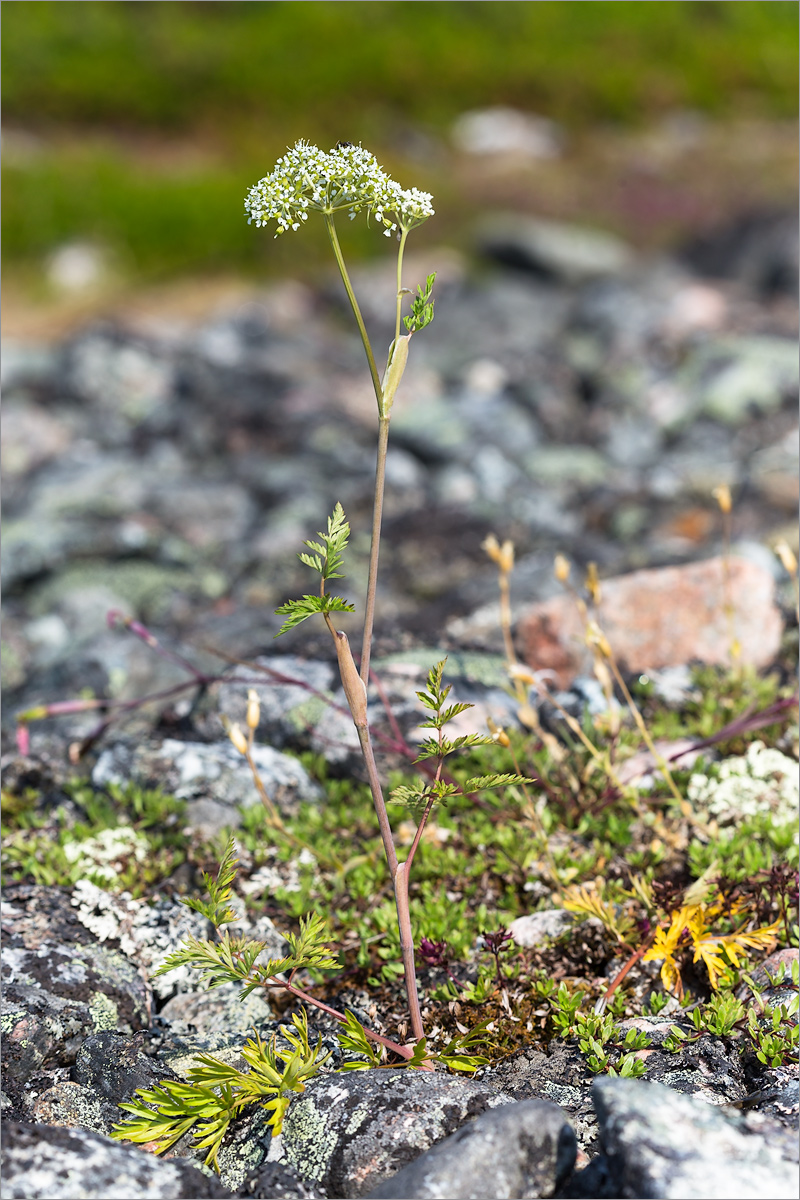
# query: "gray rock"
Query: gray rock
{"points": [[664, 1145], [200, 773], [736, 378], [147, 933], [349, 1132], [301, 706], [61, 985], [535, 928], [53, 1163], [519, 1150], [569, 253]]}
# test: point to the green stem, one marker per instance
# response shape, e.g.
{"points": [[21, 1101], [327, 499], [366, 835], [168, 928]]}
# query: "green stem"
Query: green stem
{"points": [[400, 250], [351, 296]]}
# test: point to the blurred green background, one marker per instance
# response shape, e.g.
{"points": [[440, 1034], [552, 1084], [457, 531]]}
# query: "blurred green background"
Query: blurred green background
{"points": [[140, 126]]}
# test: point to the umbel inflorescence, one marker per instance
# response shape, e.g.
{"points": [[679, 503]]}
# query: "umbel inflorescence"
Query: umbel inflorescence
{"points": [[346, 177]]}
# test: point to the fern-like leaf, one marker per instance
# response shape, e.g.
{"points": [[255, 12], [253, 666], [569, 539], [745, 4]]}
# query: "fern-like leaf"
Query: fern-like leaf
{"points": [[480, 783], [217, 908], [430, 747], [297, 611]]}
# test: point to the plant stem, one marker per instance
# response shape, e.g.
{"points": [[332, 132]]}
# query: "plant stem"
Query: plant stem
{"points": [[407, 947], [400, 250], [395, 1047], [351, 296], [375, 546], [398, 871]]}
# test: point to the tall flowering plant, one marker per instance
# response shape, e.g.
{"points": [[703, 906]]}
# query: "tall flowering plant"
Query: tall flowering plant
{"points": [[349, 179]]}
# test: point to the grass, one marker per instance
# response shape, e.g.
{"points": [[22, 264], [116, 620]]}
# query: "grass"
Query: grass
{"points": [[144, 125]]}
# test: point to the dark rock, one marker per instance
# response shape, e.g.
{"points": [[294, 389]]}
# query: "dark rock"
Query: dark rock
{"points": [[524, 1149], [59, 992], [114, 1066], [660, 1144], [56, 1163], [349, 1132], [277, 1181]]}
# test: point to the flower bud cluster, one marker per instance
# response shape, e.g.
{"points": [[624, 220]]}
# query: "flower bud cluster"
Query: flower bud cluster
{"points": [[346, 177]]}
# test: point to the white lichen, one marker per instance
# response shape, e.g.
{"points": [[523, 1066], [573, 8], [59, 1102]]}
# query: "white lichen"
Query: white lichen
{"points": [[761, 781]]}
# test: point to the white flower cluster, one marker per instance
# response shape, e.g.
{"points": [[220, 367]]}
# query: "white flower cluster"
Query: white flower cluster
{"points": [[763, 780], [347, 177]]}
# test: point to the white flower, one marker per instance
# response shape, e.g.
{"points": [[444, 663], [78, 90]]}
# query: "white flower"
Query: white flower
{"points": [[347, 177], [763, 780]]}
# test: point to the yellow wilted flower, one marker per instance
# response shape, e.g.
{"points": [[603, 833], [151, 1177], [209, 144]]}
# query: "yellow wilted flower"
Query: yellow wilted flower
{"points": [[691, 926]]}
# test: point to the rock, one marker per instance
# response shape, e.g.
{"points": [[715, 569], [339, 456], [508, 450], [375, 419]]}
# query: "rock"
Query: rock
{"points": [[535, 928], [568, 253], [660, 618], [54, 1163], [507, 131], [301, 706], [663, 1145], [349, 1132], [76, 1107], [278, 1179], [735, 378], [147, 933], [61, 985], [523, 1149], [213, 778], [218, 1011], [113, 1066]]}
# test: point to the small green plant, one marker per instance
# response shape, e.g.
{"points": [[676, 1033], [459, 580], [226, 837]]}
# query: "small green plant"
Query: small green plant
{"points": [[216, 1093], [124, 838]]}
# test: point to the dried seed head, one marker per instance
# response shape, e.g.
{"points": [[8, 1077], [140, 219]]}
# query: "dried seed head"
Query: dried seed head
{"points": [[506, 563], [253, 709], [237, 737], [722, 495], [786, 556], [593, 583], [491, 546], [561, 568], [597, 640]]}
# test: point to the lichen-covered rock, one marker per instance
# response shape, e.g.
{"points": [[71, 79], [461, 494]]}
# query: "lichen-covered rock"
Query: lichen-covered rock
{"points": [[666, 1146], [349, 1132], [77, 1107], [213, 778], [524, 1149], [53, 1163], [61, 985]]}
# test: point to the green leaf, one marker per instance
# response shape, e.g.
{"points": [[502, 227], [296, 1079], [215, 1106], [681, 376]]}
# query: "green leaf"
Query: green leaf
{"points": [[421, 306], [297, 611], [429, 747], [217, 908], [352, 1037], [328, 557], [480, 782]]}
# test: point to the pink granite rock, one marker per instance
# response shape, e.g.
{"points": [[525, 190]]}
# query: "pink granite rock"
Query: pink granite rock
{"points": [[660, 618]]}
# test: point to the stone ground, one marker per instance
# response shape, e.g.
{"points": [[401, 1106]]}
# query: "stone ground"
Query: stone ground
{"points": [[585, 405]]}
